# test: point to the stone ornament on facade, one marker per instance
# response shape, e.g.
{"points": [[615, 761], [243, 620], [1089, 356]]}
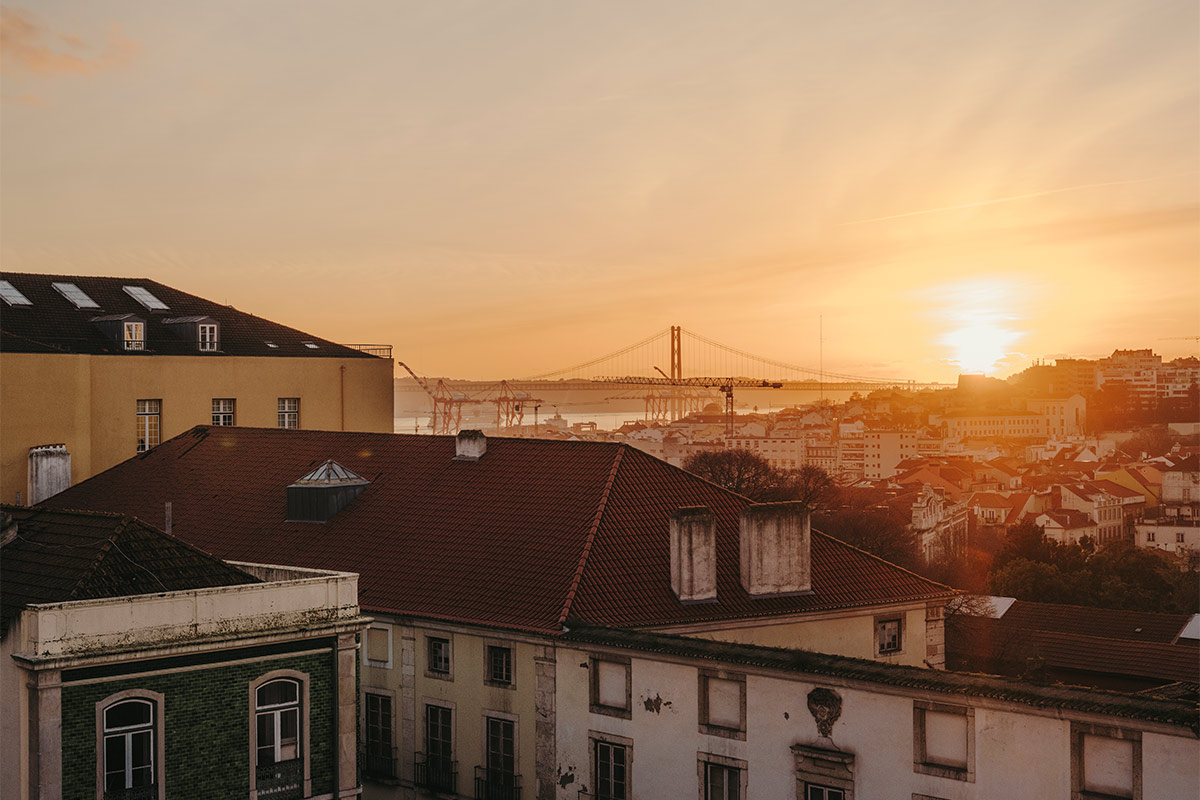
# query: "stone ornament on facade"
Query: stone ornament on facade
{"points": [[826, 706]]}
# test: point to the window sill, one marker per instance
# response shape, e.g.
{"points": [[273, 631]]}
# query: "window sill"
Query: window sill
{"points": [[944, 771], [723, 732], [511, 685], [611, 711], [439, 676]]}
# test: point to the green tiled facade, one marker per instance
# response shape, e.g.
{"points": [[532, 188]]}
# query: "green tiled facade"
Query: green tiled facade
{"points": [[207, 719]]}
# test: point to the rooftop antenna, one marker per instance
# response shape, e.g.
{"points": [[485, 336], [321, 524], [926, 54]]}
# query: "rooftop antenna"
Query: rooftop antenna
{"points": [[167, 514], [821, 356]]}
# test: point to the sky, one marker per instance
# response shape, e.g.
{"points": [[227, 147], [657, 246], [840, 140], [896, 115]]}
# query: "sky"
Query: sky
{"points": [[500, 189]]}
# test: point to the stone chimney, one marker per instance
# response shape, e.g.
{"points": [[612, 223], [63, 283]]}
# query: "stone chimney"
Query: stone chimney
{"points": [[694, 554], [775, 543], [469, 446]]}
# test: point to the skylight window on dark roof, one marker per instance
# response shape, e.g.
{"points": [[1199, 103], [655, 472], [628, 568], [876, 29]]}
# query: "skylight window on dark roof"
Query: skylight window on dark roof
{"points": [[271, 345], [75, 295], [143, 296], [12, 295], [310, 345]]}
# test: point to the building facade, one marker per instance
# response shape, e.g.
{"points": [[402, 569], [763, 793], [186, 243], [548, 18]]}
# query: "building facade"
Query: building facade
{"points": [[97, 370]]}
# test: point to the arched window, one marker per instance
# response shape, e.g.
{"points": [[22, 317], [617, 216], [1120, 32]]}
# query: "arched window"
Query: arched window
{"points": [[129, 748], [279, 738]]}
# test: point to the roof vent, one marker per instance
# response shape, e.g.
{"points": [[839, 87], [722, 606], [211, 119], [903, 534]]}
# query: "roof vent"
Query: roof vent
{"points": [[469, 446], [322, 493]]}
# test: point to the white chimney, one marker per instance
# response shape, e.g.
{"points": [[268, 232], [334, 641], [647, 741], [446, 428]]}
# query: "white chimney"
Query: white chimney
{"points": [[49, 471], [469, 445], [694, 554], [775, 549]]}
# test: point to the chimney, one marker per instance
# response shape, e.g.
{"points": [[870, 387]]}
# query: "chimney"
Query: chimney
{"points": [[775, 549], [694, 554], [469, 446]]}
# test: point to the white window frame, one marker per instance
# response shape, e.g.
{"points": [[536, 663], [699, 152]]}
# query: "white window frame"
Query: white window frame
{"points": [[211, 342], [224, 407], [488, 678], [289, 413], [144, 427], [880, 621], [302, 739], [134, 335], [448, 673], [156, 727]]}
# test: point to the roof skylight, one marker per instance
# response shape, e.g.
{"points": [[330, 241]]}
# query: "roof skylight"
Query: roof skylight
{"points": [[310, 345], [143, 296], [271, 345], [75, 295], [12, 295]]}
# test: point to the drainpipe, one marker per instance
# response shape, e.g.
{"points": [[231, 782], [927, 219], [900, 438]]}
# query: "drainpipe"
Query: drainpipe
{"points": [[342, 392]]}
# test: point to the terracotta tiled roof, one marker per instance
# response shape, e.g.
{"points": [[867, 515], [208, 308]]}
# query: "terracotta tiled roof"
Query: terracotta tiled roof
{"points": [[1139, 626], [1117, 490], [530, 533], [53, 324], [55, 556]]}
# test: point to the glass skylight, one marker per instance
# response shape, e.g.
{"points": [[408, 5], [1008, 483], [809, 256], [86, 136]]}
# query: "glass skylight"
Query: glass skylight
{"points": [[75, 295], [271, 345], [12, 295], [144, 297], [310, 345]]}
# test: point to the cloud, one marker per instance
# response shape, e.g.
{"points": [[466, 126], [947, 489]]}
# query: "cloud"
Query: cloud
{"points": [[28, 47]]}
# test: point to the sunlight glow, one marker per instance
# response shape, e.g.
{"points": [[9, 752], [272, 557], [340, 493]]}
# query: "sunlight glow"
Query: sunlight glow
{"points": [[981, 312]]}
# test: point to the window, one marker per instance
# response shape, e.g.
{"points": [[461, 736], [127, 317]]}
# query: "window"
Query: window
{"points": [[144, 297], [280, 760], [1106, 763], [223, 411], [611, 756], [207, 333], [823, 774], [499, 665], [75, 295], [497, 780], [944, 740], [129, 749], [721, 778], [12, 295], [815, 791], [1179, 537], [149, 424], [439, 661], [379, 752], [889, 635], [723, 704], [289, 412], [1150, 536], [377, 646], [438, 771], [134, 335], [611, 687], [311, 345]]}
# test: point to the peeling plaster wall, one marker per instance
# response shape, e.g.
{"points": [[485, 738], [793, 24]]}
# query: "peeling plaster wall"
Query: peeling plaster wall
{"points": [[1018, 753]]}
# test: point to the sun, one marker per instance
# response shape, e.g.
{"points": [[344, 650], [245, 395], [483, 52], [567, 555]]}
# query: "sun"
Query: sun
{"points": [[979, 346]]}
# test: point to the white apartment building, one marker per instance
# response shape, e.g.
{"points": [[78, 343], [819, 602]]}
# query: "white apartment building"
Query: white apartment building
{"points": [[884, 449], [990, 426], [1064, 416]]}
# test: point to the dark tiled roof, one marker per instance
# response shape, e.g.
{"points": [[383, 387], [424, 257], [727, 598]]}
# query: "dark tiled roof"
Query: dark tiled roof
{"points": [[53, 324], [56, 556], [1142, 706], [531, 532], [1138, 626]]}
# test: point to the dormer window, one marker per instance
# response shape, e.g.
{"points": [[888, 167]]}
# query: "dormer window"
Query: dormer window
{"points": [[208, 337], [135, 335]]}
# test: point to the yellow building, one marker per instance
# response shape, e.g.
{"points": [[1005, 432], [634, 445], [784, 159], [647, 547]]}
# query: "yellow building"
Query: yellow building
{"points": [[96, 370]]}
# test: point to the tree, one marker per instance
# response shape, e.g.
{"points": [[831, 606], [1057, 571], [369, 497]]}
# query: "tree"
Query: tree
{"points": [[877, 532], [813, 486], [741, 471]]}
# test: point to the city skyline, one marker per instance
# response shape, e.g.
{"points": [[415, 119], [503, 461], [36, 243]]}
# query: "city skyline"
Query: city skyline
{"points": [[502, 191]]}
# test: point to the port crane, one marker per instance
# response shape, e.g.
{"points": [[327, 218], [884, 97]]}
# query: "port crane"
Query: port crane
{"points": [[447, 404], [724, 385]]}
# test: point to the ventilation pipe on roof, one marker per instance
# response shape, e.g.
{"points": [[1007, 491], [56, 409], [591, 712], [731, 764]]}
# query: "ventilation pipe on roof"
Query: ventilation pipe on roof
{"points": [[469, 445], [775, 548], [49, 471], [694, 554]]}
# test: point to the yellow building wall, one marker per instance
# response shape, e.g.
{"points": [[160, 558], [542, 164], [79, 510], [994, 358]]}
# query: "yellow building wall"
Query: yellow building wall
{"points": [[850, 635], [1122, 478], [89, 403]]}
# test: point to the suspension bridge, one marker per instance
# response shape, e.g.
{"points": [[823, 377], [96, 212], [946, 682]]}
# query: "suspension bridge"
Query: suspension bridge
{"points": [[695, 366]]}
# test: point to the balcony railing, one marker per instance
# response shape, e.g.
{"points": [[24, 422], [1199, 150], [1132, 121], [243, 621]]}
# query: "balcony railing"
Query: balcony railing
{"points": [[281, 781], [381, 350], [137, 793], [379, 763], [494, 784], [435, 773]]}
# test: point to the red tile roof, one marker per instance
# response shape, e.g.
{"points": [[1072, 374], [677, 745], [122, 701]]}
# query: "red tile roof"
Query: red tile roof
{"points": [[55, 556], [531, 533]]}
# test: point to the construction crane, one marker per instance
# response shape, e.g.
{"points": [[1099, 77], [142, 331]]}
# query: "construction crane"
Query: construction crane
{"points": [[510, 407], [447, 404], [725, 385]]}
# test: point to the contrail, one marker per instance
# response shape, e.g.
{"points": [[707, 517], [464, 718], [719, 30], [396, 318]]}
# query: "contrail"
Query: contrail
{"points": [[1014, 198]]}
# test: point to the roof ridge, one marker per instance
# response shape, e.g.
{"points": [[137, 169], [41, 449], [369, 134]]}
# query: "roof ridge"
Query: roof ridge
{"points": [[591, 537], [109, 542], [891, 564]]}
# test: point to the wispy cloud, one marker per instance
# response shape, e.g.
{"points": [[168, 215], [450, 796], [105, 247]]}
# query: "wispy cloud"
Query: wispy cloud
{"points": [[28, 47]]}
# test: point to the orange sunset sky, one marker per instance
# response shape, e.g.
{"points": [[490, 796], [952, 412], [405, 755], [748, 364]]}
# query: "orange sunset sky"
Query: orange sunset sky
{"points": [[502, 188]]}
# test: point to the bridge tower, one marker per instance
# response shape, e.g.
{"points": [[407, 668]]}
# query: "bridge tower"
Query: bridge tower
{"points": [[676, 370]]}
